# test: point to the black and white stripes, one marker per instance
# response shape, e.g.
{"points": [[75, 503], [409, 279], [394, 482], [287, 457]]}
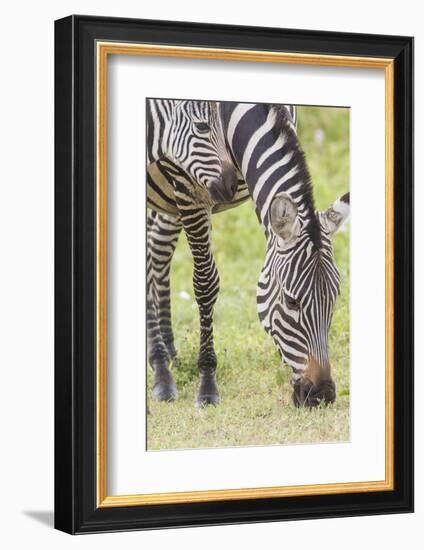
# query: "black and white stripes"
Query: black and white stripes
{"points": [[185, 144], [204, 157], [189, 174], [299, 281]]}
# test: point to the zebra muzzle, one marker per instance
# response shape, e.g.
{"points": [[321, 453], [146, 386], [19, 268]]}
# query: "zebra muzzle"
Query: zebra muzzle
{"points": [[307, 394], [224, 188]]}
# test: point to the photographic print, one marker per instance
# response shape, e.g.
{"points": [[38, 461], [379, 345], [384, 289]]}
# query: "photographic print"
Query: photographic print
{"points": [[247, 274], [217, 304]]}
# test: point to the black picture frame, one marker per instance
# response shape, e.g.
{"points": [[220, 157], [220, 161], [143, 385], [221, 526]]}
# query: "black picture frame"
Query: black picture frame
{"points": [[76, 510]]}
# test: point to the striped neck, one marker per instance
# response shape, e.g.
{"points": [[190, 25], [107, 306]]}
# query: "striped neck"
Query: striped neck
{"points": [[264, 144]]}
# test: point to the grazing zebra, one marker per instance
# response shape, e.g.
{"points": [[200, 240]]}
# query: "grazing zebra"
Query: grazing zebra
{"points": [[189, 175], [299, 281]]}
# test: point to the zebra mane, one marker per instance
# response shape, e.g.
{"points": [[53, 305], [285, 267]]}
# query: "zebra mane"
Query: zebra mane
{"points": [[285, 124]]}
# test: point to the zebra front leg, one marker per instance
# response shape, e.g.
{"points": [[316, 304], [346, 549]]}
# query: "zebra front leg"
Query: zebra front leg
{"points": [[197, 226], [164, 388]]}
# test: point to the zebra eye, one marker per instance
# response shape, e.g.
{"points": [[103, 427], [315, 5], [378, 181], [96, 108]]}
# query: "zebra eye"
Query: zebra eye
{"points": [[292, 303], [202, 127]]}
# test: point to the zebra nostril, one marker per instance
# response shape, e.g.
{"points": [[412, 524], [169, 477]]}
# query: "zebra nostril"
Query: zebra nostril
{"points": [[211, 184], [215, 188]]}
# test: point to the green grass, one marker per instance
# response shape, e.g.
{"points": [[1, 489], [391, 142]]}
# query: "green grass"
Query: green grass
{"points": [[256, 406]]}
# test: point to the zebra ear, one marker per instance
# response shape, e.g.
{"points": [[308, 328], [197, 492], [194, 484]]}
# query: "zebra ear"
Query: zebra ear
{"points": [[283, 218], [334, 217]]}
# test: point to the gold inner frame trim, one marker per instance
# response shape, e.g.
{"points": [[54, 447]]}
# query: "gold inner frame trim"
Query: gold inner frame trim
{"points": [[104, 49]]}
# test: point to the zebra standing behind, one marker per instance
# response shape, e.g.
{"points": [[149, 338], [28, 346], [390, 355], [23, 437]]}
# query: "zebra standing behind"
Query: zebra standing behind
{"points": [[189, 173], [299, 281]]}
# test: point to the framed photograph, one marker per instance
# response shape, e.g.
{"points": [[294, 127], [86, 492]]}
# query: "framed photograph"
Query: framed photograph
{"points": [[234, 274]]}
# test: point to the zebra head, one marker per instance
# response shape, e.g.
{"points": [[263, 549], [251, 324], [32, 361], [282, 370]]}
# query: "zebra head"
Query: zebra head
{"points": [[197, 145], [297, 308]]}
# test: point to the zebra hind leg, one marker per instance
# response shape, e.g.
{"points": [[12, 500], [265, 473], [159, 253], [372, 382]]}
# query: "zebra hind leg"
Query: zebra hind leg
{"points": [[164, 388], [164, 235]]}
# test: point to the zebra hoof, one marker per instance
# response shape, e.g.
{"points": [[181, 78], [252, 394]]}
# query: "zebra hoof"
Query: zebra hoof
{"points": [[163, 391], [205, 400], [164, 388], [208, 393]]}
